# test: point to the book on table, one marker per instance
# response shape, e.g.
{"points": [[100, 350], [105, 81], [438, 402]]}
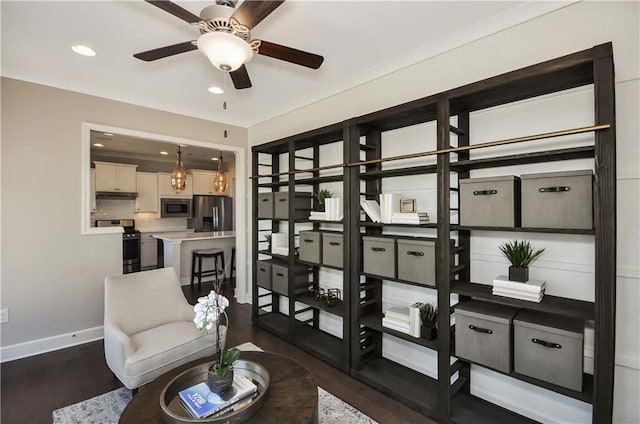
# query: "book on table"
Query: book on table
{"points": [[201, 402], [531, 286]]}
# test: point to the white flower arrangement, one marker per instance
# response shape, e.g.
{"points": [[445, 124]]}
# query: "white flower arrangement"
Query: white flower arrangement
{"points": [[208, 311]]}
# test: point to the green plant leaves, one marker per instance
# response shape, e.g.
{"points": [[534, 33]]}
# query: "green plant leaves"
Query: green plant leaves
{"points": [[520, 253]]}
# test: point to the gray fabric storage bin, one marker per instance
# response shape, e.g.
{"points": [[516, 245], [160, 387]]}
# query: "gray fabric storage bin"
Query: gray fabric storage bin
{"points": [[379, 256], [490, 202], [417, 261], [280, 279], [310, 246], [301, 202], [483, 334], [263, 274], [332, 250], [558, 200], [265, 205], [549, 348]]}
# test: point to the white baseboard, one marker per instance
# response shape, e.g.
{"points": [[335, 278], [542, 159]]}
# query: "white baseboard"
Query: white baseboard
{"points": [[48, 344]]}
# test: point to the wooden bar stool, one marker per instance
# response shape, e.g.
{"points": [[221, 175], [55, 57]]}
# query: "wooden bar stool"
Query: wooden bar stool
{"points": [[198, 254]]}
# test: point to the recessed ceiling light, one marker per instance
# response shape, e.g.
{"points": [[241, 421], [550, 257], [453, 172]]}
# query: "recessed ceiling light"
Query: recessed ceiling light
{"points": [[83, 50], [214, 158], [215, 90], [108, 134], [164, 153], [98, 145]]}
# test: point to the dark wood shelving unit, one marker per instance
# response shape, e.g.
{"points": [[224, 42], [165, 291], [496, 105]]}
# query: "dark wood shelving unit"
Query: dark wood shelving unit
{"points": [[552, 304], [359, 352]]}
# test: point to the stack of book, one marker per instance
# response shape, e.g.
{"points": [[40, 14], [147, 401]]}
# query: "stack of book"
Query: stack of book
{"points": [[317, 216], [201, 402], [531, 291], [403, 319], [410, 218]]}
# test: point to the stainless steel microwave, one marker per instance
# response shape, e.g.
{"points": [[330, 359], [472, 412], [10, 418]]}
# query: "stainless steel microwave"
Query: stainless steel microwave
{"points": [[175, 208]]}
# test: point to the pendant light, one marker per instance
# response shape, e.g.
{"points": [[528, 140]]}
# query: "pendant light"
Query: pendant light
{"points": [[178, 176], [220, 179]]}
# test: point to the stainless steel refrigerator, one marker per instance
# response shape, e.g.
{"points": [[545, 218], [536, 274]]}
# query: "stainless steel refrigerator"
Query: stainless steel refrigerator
{"points": [[211, 213]]}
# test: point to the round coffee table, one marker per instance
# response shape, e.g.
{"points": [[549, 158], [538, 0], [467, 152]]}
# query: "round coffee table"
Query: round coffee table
{"points": [[292, 395]]}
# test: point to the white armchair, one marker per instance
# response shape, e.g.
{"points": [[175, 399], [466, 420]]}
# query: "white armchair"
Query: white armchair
{"points": [[148, 326]]}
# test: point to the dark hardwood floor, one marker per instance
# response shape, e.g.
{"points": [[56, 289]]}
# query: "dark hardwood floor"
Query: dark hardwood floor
{"points": [[33, 387]]}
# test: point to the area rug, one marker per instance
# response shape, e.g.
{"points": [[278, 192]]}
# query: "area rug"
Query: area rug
{"points": [[106, 408]]}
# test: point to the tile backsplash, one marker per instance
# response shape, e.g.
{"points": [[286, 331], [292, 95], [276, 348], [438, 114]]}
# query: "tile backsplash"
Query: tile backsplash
{"points": [[123, 209]]}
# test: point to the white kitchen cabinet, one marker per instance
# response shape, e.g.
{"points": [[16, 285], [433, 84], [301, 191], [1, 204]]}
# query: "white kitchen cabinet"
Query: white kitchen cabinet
{"points": [[148, 251], [165, 189], [147, 200], [115, 177], [203, 182]]}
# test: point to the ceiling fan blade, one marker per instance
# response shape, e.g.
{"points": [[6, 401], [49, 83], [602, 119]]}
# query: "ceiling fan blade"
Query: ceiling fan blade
{"points": [[289, 54], [240, 78], [175, 10], [166, 51], [251, 12]]}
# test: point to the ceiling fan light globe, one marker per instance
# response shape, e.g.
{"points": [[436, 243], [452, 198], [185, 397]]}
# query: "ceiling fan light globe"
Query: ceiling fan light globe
{"points": [[225, 51]]}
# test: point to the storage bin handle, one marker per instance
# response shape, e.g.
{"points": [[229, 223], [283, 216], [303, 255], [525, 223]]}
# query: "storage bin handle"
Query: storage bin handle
{"points": [[557, 189], [414, 253], [484, 192], [279, 274], [308, 240], [334, 243], [378, 249], [481, 330], [264, 199], [282, 200], [547, 344], [263, 269]]}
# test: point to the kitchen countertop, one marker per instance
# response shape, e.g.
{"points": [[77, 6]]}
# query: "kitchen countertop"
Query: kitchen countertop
{"points": [[181, 236]]}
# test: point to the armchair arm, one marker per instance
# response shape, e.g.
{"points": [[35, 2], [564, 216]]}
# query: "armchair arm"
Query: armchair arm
{"points": [[117, 347]]}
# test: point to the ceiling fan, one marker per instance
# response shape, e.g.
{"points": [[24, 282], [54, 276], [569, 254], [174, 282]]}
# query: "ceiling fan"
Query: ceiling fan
{"points": [[226, 37]]}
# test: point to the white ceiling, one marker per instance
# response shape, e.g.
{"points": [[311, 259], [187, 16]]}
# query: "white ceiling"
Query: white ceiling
{"points": [[360, 41]]}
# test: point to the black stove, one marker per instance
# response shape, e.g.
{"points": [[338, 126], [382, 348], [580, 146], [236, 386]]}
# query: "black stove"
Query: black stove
{"points": [[130, 242]]}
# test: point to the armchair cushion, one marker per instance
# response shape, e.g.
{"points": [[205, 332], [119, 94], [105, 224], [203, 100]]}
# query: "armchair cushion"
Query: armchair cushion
{"points": [[148, 327]]}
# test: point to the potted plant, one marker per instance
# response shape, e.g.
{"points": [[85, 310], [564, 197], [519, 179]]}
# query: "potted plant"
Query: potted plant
{"points": [[320, 195], [267, 238], [429, 320], [209, 311], [520, 254]]}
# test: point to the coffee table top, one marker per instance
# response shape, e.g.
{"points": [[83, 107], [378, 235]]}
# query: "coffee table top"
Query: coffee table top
{"points": [[292, 395]]}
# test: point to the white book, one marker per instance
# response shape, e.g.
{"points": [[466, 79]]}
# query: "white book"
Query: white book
{"points": [[389, 203], [409, 221], [534, 286], [372, 209], [400, 312], [393, 326], [528, 298], [414, 319], [518, 292], [393, 320], [412, 215]]}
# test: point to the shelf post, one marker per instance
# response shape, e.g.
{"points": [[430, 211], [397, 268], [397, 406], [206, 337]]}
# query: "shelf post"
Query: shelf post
{"points": [[443, 257], [604, 207], [255, 300]]}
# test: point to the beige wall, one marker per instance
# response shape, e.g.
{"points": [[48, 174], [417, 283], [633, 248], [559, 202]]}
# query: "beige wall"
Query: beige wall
{"points": [[573, 28], [52, 276]]}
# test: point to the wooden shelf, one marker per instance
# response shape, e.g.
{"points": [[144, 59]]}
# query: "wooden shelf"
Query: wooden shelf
{"points": [[302, 181], [273, 255], [397, 280], [579, 309], [420, 392], [374, 321], [340, 309], [584, 152], [380, 225], [401, 172], [329, 348], [275, 323], [524, 230]]}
